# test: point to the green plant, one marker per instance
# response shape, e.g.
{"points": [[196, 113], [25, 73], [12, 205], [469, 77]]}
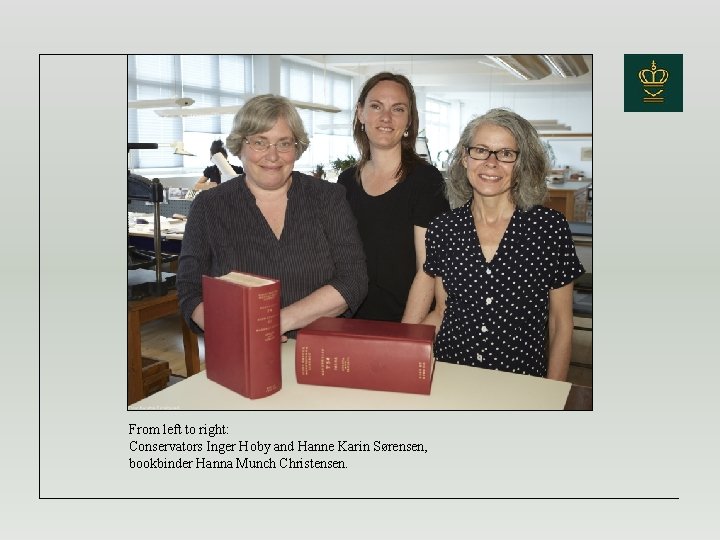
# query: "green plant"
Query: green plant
{"points": [[319, 171], [340, 164]]}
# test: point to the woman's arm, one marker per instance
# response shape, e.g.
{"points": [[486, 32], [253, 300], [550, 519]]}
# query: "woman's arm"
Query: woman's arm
{"points": [[560, 330], [347, 287], [195, 260], [204, 183], [422, 290], [324, 302], [350, 277], [435, 317]]}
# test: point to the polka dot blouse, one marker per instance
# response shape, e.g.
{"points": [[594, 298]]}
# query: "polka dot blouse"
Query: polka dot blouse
{"points": [[496, 313]]}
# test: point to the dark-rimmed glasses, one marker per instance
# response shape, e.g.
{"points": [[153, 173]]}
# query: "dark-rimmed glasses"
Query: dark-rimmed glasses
{"points": [[261, 145], [506, 155]]}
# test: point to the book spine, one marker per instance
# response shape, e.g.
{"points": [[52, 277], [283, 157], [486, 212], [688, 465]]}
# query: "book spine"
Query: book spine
{"points": [[364, 362], [263, 339], [242, 336]]}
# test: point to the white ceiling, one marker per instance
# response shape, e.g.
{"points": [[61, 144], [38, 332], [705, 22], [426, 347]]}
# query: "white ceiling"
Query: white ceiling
{"points": [[451, 77]]}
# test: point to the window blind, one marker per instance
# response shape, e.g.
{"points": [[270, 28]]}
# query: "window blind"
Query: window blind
{"points": [[211, 80]]}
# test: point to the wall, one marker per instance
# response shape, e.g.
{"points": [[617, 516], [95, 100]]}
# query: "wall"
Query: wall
{"points": [[573, 108]]}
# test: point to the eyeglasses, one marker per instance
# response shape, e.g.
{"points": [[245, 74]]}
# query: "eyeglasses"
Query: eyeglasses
{"points": [[261, 145], [504, 154]]}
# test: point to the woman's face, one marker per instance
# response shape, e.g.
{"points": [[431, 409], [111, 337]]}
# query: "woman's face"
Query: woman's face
{"points": [[490, 177], [269, 169], [386, 114]]}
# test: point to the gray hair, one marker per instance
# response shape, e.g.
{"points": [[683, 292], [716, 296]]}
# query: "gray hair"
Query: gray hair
{"points": [[528, 186], [259, 115]]}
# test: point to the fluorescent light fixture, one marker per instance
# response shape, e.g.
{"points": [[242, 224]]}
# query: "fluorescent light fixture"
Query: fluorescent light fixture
{"points": [[198, 111], [567, 65], [315, 106], [232, 109], [524, 66], [155, 103]]}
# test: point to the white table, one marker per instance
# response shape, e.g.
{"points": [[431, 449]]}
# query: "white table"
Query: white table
{"points": [[454, 388], [170, 229]]}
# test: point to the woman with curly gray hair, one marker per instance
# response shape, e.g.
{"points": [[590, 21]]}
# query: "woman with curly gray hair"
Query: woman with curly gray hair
{"points": [[503, 264]]}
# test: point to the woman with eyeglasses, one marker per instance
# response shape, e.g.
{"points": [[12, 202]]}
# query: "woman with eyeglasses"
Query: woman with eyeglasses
{"points": [[394, 194], [504, 264], [276, 222]]}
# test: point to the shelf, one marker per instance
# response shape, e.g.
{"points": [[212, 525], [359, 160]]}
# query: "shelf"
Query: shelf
{"points": [[565, 135]]}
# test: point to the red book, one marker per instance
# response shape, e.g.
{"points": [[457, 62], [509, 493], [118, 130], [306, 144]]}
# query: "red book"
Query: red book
{"points": [[242, 333], [375, 355]]}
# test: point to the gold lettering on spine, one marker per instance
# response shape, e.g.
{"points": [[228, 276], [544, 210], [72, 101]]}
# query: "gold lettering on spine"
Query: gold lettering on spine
{"points": [[305, 361], [422, 371]]}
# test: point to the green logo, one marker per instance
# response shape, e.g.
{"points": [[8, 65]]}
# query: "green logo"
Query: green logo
{"points": [[653, 83]]}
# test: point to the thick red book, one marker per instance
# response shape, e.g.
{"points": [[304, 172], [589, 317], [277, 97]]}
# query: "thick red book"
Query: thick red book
{"points": [[242, 333], [375, 355]]}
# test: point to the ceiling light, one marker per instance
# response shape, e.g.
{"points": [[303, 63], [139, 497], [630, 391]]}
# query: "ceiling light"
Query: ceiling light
{"points": [[567, 65], [315, 106], [232, 109], [155, 103], [524, 66], [199, 111]]}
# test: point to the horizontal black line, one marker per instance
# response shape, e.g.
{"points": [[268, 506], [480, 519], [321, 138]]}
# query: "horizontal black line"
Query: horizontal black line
{"points": [[368, 498]]}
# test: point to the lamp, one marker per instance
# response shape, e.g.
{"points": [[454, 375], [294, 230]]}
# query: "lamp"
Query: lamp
{"points": [[179, 147], [155, 103], [144, 189]]}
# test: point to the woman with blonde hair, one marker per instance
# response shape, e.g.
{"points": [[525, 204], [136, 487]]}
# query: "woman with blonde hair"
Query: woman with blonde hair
{"points": [[275, 222]]}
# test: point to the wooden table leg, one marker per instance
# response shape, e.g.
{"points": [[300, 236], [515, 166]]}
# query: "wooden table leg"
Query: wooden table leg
{"points": [[135, 381], [190, 344]]}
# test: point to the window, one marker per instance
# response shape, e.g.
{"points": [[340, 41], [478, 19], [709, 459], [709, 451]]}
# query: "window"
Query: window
{"points": [[330, 133], [437, 129], [220, 80], [211, 80]]}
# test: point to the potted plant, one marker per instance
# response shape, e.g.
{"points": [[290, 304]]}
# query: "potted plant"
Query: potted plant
{"points": [[319, 171], [340, 164]]}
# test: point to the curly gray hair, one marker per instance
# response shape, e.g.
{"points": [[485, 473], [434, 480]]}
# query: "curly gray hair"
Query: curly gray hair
{"points": [[528, 186]]}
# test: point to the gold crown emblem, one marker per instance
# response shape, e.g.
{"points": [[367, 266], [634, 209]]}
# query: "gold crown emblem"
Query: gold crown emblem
{"points": [[653, 76]]}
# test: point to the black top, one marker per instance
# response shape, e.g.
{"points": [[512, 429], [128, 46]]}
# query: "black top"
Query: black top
{"points": [[496, 313], [386, 224], [319, 244], [213, 173]]}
